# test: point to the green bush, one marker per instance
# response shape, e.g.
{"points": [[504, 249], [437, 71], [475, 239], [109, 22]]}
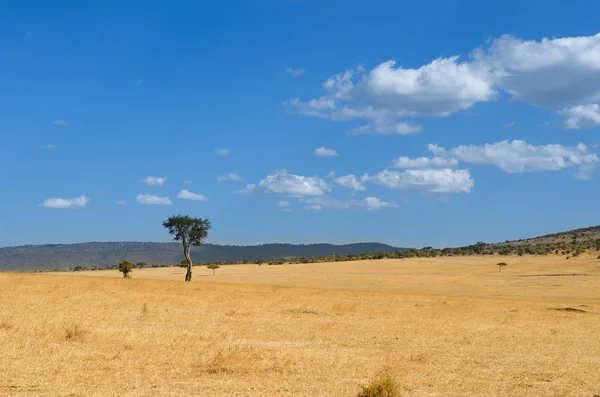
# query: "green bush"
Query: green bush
{"points": [[125, 267]]}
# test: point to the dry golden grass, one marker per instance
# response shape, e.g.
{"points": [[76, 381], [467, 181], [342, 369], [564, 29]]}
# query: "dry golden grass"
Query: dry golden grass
{"points": [[440, 327]]}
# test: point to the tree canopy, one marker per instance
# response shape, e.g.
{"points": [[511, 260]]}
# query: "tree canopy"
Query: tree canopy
{"points": [[187, 229]]}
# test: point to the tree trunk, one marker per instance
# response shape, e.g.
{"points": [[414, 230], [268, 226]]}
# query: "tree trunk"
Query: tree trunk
{"points": [[213, 271], [186, 252]]}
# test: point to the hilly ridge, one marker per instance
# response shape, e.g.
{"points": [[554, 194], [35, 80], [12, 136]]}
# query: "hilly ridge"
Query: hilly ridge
{"points": [[101, 254]]}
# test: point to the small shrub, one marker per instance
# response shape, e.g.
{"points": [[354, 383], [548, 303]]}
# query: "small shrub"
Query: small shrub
{"points": [[384, 385], [145, 309]]}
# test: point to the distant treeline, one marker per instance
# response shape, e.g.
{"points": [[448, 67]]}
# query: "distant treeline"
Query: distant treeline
{"points": [[572, 247]]}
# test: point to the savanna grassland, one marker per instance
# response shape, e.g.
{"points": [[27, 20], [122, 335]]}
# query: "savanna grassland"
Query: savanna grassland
{"points": [[452, 326]]}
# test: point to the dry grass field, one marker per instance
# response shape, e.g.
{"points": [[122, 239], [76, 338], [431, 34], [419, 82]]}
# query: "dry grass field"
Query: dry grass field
{"points": [[442, 327]]}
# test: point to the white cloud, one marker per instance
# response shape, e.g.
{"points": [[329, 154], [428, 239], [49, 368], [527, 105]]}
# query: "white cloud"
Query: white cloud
{"points": [[77, 202], [122, 202], [153, 181], [246, 190], [187, 195], [582, 116], [232, 176], [283, 183], [386, 129], [373, 203], [424, 162], [323, 151], [519, 156], [222, 152], [388, 93], [48, 146], [550, 73], [560, 74], [60, 123], [349, 181], [585, 172], [510, 124], [283, 204], [369, 203], [443, 180], [294, 72], [150, 199]]}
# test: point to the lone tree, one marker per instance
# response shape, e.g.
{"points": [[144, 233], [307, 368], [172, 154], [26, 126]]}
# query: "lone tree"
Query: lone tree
{"points": [[598, 244], [125, 267], [213, 267], [141, 265], [500, 266], [190, 231]]}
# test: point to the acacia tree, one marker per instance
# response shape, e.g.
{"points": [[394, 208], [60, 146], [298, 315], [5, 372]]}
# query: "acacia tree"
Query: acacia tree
{"points": [[500, 266], [141, 265], [213, 267], [190, 231]]}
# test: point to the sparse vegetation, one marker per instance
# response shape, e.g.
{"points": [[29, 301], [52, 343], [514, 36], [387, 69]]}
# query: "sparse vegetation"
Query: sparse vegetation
{"points": [[126, 268], [384, 385], [190, 232], [74, 333], [141, 265]]}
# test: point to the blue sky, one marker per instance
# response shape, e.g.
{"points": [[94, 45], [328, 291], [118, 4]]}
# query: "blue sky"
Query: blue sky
{"points": [[412, 123]]}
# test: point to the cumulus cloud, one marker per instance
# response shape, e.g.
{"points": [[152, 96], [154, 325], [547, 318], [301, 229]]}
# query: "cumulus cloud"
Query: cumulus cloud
{"points": [[294, 72], [149, 199], [187, 195], [519, 156], [323, 151], [443, 180], [77, 202], [424, 162], [389, 92], [349, 181], [560, 74], [232, 176], [222, 152], [582, 116], [60, 123], [550, 73], [153, 181], [283, 183]]}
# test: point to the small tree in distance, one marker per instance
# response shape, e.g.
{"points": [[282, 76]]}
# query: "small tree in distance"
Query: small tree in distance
{"points": [[125, 267], [213, 267], [500, 266], [141, 265], [190, 231]]}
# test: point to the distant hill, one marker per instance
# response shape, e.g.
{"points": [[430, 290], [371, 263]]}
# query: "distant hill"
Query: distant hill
{"points": [[64, 256]]}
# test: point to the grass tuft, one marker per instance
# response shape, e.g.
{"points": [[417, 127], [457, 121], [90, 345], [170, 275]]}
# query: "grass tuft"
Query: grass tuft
{"points": [[384, 385], [74, 333]]}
